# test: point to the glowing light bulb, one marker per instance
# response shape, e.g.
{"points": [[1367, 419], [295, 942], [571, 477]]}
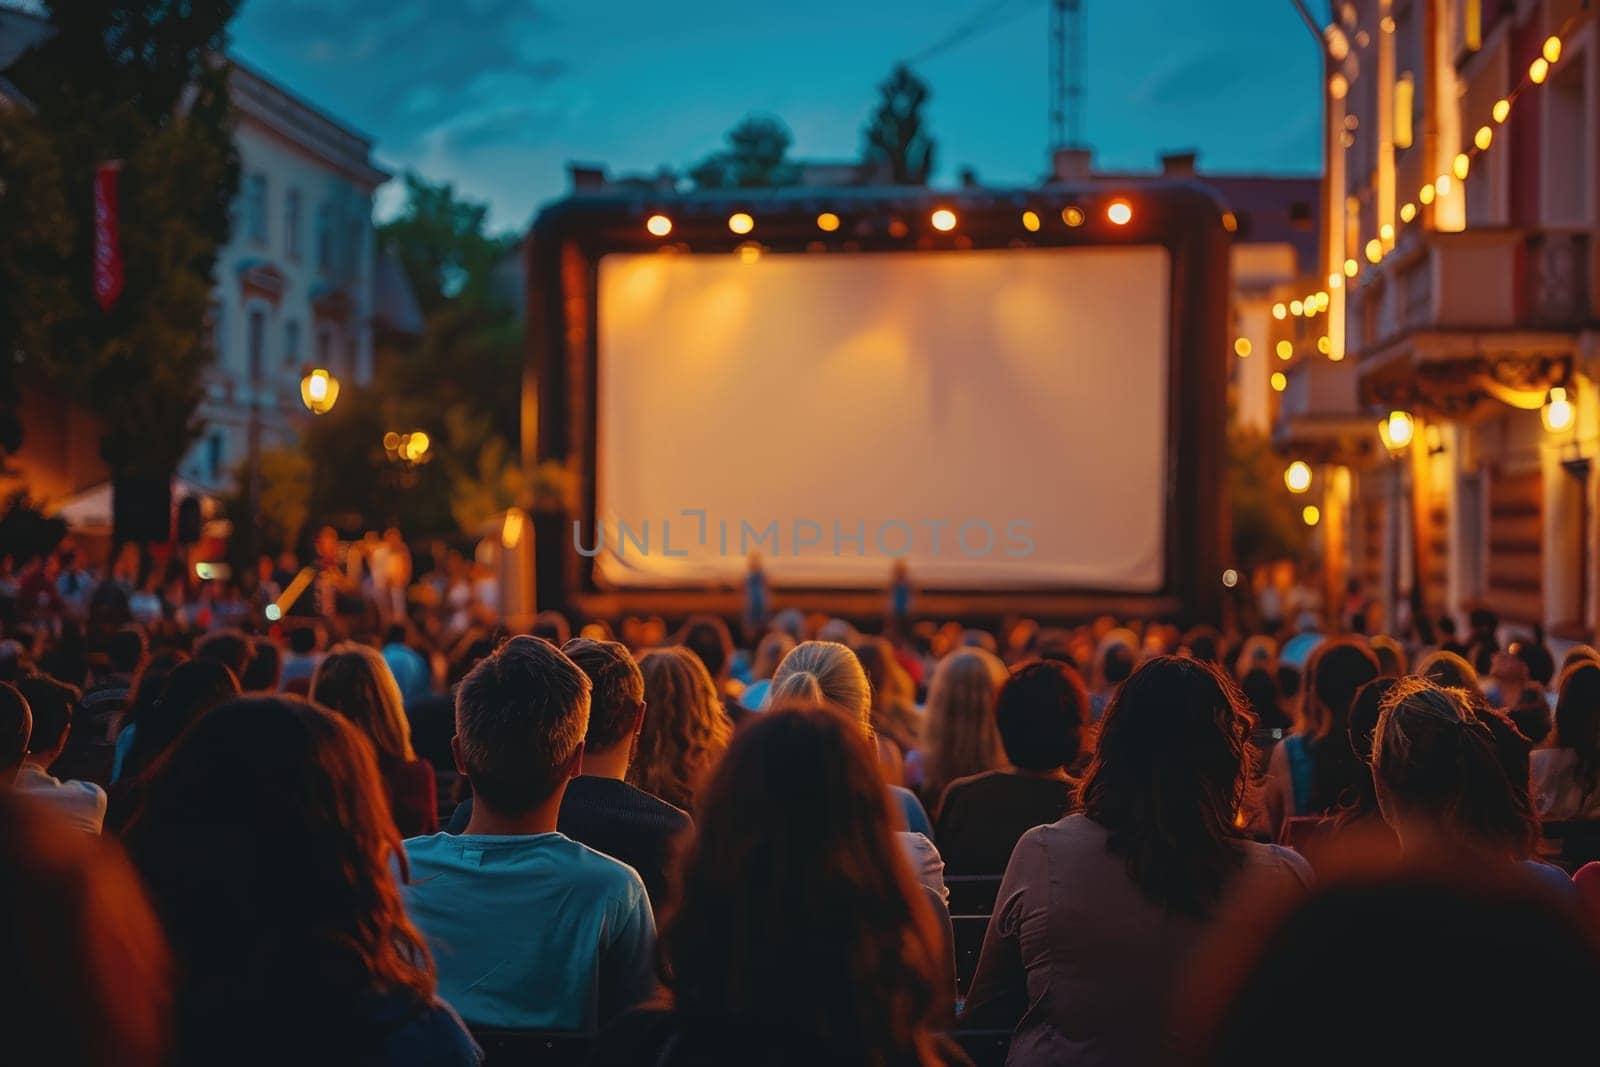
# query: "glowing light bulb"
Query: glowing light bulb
{"points": [[658, 225], [1298, 476], [943, 220], [1502, 110], [1030, 221], [1072, 216], [827, 222], [1285, 349], [1552, 49], [1310, 514], [1280, 311], [1278, 381], [1119, 213], [1483, 138], [1425, 194], [1539, 70], [1462, 166], [740, 222], [1242, 347], [1558, 413], [1408, 211]]}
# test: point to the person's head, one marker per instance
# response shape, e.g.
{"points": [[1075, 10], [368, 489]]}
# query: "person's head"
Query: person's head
{"points": [[616, 694], [769, 653], [962, 737], [303, 640], [230, 648], [1336, 670], [1040, 712], [1115, 662], [1360, 801], [1445, 771], [92, 977], [354, 681], [798, 912], [191, 690], [265, 669], [1578, 721], [126, 650], [1535, 658], [1260, 690], [53, 704], [707, 637], [552, 626], [833, 670], [1205, 644], [266, 840], [1169, 779], [1390, 656], [1448, 670], [521, 716], [685, 730], [395, 634], [1577, 654], [16, 730], [1395, 955]]}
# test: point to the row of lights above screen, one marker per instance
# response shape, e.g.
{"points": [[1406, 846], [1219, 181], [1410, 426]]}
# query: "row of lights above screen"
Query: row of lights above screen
{"points": [[945, 220]]}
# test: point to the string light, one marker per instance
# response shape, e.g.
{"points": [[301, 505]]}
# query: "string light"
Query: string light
{"points": [[1386, 232], [1285, 350], [1552, 50], [1351, 268], [1502, 110], [1408, 211], [1243, 347], [740, 222], [1072, 216], [1030, 221], [1297, 308], [1483, 138], [1375, 251], [1279, 382], [1442, 185], [1324, 345], [944, 220], [1462, 166], [1336, 280], [1539, 70], [1280, 311], [1425, 194], [827, 222]]}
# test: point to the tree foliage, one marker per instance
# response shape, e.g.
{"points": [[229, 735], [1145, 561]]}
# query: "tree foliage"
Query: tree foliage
{"points": [[142, 83], [753, 159], [895, 134], [459, 383], [1266, 517]]}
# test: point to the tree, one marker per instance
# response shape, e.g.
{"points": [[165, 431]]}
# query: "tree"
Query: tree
{"points": [[895, 135], [754, 158], [144, 84], [1266, 517]]}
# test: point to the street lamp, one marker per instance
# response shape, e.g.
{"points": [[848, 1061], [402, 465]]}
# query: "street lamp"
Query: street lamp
{"points": [[1298, 476], [1396, 431], [1557, 412], [319, 391]]}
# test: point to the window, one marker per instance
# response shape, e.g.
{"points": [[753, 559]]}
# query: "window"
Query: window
{"points": [[291, 343], [256, 343], [255, 207], [325, 238], [1405, 102], [291, 224]]}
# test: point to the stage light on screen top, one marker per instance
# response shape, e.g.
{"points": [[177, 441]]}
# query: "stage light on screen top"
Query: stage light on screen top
{"points": [[827, 222], [943, 220], [658, 225], [1072, 216], [741, 222], [1120, 213], [1030, 221]]}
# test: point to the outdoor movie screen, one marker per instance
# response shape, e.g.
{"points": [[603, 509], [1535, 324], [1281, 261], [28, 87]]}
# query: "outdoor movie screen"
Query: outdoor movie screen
{"points": [[997, 418]]}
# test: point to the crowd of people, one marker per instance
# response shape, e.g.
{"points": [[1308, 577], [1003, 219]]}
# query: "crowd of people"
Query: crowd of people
{"points": [[382, 838]]}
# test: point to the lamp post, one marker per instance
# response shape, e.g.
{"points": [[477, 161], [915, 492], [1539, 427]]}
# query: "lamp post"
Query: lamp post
{"points": [[1396, 431], [319, 391]]}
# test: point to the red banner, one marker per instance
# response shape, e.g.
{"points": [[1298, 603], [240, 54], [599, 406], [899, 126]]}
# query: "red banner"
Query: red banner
{"points": [[107, 248]]}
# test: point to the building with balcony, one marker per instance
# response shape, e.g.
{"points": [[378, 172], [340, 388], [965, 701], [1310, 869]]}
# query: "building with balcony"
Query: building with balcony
{"points": [[1461, 210]]}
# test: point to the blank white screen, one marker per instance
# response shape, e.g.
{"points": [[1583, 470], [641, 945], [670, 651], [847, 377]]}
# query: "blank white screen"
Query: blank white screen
{"points": [[861, 391]]}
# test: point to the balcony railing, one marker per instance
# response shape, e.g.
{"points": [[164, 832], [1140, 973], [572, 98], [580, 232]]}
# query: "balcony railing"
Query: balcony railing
{"points": [[1476, 280]]}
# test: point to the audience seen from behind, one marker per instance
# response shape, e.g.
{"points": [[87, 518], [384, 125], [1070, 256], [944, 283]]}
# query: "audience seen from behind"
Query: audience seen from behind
{"points": [[960, 737], [16, 730], [81, 805], [266, 842], [1040, 712], [529, 929], [355, 681], [1566, 775], [686, 730], [1315, 767], [1099, 912], [91, 978], [801, 937]]}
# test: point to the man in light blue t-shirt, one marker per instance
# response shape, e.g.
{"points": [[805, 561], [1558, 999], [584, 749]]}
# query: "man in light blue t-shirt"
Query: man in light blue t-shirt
{"points": [[528, 928]]}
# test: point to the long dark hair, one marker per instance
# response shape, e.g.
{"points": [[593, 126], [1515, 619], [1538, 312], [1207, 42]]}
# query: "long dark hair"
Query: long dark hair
{"points": [[1336, 671], [1578, 721], [191, 689], [1170, 778], [266, 841], [1361, 801], [799, 915], [1435, 754]]}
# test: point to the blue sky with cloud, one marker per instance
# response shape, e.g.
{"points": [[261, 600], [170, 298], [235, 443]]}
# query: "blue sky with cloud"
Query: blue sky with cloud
{"points": [[498, 96]]}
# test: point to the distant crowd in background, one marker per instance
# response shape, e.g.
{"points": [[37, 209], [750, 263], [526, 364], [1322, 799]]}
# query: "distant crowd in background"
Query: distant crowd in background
{"points": [[372, 826]]}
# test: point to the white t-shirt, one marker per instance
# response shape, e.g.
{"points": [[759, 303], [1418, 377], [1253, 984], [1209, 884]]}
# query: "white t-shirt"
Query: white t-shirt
{"points": [[83, 804]]}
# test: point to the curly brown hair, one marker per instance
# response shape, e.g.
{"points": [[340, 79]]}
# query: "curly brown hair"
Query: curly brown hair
{"points": [[685, 728]]}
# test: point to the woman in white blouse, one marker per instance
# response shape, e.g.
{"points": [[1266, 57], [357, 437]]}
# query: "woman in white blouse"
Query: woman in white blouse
{"points": [[1566, 776]]}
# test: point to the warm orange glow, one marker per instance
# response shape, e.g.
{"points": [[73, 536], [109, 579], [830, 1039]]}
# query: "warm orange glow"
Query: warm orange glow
{"points": [[1298, 476], [1552, 49], [1279, 382], [827, 222], [1311, 514], [1408, 211], [1539, 70], [1462, 166], [1502, 110], [1280, 311], [1483, 138], [1558, 414], [1030, 221], [1397, 430], [944, 220], [1120, 213], [1297, 307], [1324, 345], [740, 222], [1425, 194], [1285, 349], [1375, 251], [1243, 347], [658, 225], [1351, 268], [319, 391], [1072, 216]]}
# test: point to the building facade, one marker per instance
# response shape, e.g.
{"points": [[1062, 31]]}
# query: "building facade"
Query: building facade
{"points": [[1461, 206], [297, 283]]}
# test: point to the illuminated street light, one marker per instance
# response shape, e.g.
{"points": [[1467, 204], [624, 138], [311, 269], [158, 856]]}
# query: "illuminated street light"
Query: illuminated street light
{"points": [[1397, 431], [658, 225], [1552, 49], [741, 222], [1279, 381], [1120, 213], [1298, 476], [944, 220], [1030, 221], [1502, 110], [1243, 348], [319, 391], [1311, 514], [827, 222], [1557, 413]]}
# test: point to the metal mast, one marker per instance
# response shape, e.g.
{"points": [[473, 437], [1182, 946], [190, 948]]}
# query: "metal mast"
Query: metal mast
{"points": [[1066, 73]]}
